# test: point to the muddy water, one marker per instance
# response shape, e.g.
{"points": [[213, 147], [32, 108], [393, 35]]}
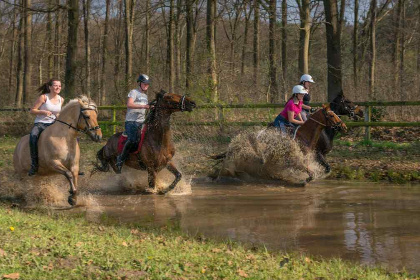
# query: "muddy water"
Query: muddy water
{"points": [[364, 222]]}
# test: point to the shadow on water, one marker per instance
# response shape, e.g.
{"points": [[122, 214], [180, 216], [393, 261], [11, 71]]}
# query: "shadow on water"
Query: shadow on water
{"points": [[369, 223]]}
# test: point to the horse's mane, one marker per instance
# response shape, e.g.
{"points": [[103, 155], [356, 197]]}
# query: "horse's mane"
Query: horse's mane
{"points": [[154, 112], [82, 99]]}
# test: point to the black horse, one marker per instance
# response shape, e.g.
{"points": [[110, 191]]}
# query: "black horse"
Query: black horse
{"points": [[341, 106]]}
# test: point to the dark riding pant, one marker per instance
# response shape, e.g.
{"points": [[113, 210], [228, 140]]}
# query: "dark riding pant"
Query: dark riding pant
{"points": [[282, 123], [132, 131], [33, 144]]}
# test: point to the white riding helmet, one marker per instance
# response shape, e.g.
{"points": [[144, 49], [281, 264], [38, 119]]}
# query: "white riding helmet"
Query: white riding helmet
{"points": [[307, 78], [299, 89]]}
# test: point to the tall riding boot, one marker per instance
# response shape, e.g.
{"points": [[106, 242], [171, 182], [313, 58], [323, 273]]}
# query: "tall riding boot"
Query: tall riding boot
{"points": [[33, 147], [124, 155]]}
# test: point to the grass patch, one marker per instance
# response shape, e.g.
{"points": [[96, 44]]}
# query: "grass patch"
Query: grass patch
{"points": [[48, 245]]}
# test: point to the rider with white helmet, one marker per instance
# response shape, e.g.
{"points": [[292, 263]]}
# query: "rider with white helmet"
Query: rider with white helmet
{"points": [[291, 114], [305, 81]]}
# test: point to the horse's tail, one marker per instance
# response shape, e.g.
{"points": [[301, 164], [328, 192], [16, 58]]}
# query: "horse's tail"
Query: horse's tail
{"points": [[101, 163]]}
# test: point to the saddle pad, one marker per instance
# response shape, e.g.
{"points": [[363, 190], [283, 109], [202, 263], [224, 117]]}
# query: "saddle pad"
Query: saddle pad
{"points": [[123, 139], [121, 142]]}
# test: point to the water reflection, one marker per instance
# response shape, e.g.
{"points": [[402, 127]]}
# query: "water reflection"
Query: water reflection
{"points": [[369, 223]]}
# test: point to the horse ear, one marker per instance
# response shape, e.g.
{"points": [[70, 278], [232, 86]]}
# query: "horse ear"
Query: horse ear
{"points": [[326, 106], [341, 93], [160, 94]]}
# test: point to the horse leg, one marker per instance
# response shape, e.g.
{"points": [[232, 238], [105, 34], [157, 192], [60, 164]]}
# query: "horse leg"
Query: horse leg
{"points": [[151, 172], [171, 167], [72, 177], [321, 159]]}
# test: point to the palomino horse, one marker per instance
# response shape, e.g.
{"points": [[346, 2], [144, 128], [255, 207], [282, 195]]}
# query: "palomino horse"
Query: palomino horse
{"points": [[58, 148], [157, 149], [341, 106]]}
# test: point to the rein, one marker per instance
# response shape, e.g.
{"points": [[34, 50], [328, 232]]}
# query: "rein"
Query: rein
{"points": [[88, 128]]}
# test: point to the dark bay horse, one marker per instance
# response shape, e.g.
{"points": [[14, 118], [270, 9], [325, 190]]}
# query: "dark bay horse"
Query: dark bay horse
{"points": [[341, 106], [59, 150], [158, 148], [306, 135]]}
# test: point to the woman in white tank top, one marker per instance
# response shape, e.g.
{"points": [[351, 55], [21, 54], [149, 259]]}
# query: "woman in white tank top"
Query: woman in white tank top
{"points": [[46, 108]]}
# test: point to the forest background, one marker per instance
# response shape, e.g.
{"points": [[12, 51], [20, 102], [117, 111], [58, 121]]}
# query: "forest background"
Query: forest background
{"points": [[224, 51]]}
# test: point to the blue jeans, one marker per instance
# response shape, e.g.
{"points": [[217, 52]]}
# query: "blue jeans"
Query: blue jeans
{"points": [[132, 129], [281, 123]]}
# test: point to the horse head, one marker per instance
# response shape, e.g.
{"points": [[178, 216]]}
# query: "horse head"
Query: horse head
{"points": [[343, 106], [332, 119], [174, 102], [88, 118]]}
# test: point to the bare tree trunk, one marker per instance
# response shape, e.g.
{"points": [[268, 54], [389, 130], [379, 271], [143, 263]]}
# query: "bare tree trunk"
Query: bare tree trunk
{"points": [[256, 40], [13, 49], [71, 63], [19, 70], [170, 48], [355, 43], [372, 49], [245, 42], [402, 47], [57, 43], [147, 37], [418, 51], [272, 52], [50, 61], [396, 43], [189, 43], [86, 16], [129, 20], [27, 65], [102, 98], [177, 41], [304, 35], [333, 28], [211, 50], [284, 48], [118, 46]]}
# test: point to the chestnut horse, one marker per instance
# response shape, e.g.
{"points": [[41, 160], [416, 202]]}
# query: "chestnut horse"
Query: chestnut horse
{"points": [[341, 106], [157, 149], [58, 148]]}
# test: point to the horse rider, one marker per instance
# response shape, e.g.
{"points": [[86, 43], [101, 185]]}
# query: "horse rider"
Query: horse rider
{"points": [[291, 114], [137, 103], [46, 108], [305, 81]]}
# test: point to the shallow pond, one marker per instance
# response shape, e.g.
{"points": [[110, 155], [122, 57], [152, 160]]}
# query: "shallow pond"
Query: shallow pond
{"points": [[365, 222]]}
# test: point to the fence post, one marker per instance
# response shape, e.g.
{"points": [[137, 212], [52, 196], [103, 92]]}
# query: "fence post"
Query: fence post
{"points": [[114, 119], [368, 119]]}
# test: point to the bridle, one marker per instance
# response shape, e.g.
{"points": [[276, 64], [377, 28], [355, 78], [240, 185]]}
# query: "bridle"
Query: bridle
{"points": [[335, 126], [88, 128], [349, 109], [177, 105]]}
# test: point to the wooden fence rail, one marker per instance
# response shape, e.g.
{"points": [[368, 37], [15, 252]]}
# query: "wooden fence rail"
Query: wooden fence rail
{"points": [[367, 123]]}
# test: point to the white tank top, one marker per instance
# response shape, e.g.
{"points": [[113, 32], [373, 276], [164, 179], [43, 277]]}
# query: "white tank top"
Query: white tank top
{"points": [[49, 106]]}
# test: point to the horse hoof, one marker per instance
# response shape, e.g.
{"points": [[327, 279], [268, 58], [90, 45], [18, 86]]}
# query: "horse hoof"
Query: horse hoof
{"points": [[310, 178], [72, 200], [327, 169]]}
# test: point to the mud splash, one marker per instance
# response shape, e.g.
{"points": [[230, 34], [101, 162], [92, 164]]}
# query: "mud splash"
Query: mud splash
{"points": [[267, 154], [53, 191]]}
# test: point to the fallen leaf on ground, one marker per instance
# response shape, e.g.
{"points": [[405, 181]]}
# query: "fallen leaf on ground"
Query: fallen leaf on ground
{"points": [[242, 273], [11, 276]]}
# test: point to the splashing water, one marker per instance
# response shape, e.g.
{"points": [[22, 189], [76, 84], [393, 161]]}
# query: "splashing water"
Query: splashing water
{"points": [[267, 154]]}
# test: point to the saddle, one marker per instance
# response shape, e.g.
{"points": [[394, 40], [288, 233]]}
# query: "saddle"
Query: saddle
{"points": [[123, 139]]}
